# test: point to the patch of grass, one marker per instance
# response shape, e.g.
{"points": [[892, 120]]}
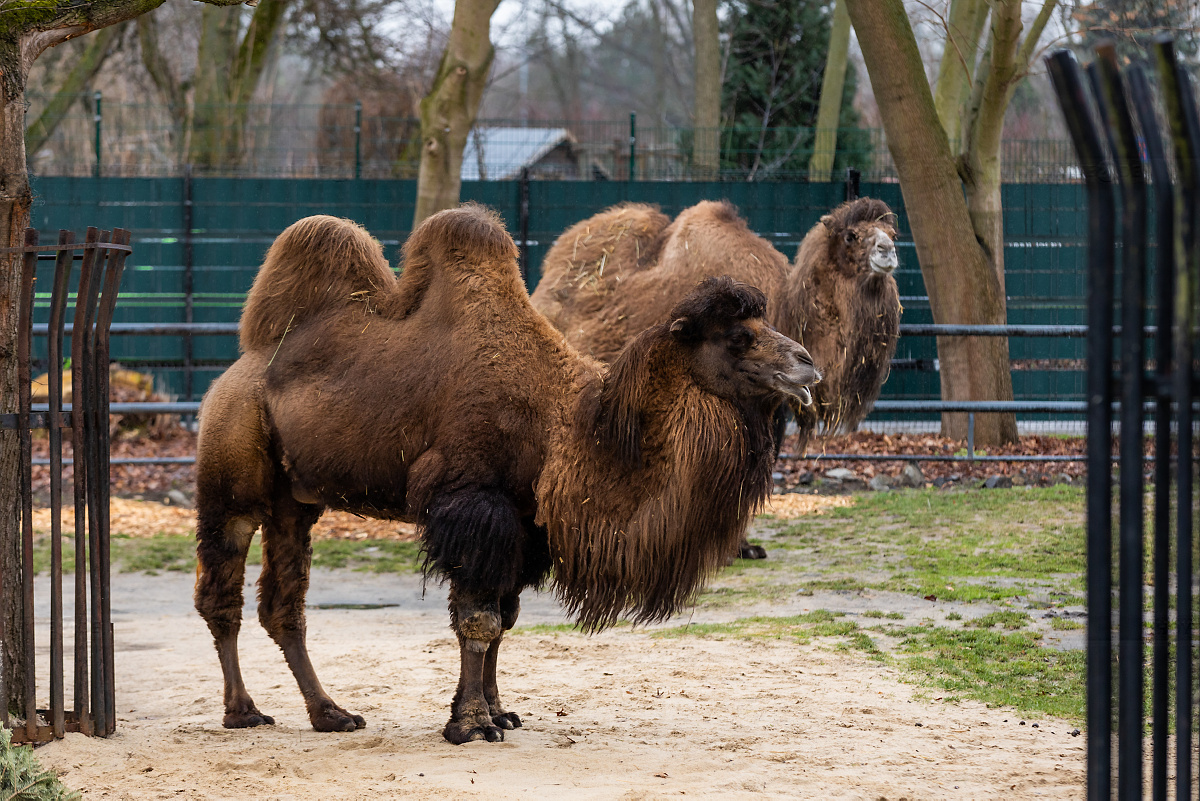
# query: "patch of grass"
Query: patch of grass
{"points": [[1007, 669], [1008, 619], [1065, 624], [175, 553], [953, 616], [888, 615]]}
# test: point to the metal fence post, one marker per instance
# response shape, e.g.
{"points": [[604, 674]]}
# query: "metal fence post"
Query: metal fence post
{"points": [[96, 118], [853, 177], [1068, 85], [632, 145], [357, 139], [188, 282], [523, 223]]}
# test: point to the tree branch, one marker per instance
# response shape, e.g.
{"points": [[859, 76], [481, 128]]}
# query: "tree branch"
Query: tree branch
{"points": [[84, 69]]}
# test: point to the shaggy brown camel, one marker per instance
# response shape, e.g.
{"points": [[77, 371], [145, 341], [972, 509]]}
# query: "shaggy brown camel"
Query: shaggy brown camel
{"points": [[444, 398], [611, 275]]}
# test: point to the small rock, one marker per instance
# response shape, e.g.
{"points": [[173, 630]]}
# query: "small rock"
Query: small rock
{"points": [[1022, 723], [879, 484], [840, 474], [1075, 733], [997, 482], [940, 482], [912, 476], [805, 478], [955, 477], [777, 477], [1018, 481], [177, 498], [1035, 725], [920, 724]]}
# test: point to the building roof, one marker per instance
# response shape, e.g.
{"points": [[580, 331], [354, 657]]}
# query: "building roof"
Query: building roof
{"points": [[502, 152]]}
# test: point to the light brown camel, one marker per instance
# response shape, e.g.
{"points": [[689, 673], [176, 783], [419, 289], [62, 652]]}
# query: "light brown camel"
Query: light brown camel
{"points": [[611, 275], [444, 398]]}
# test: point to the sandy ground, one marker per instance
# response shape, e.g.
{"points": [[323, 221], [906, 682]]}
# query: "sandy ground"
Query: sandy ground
{"points": [[618, 715]]}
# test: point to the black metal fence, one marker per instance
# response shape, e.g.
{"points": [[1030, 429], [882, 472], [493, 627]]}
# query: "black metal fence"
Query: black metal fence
{"points": [[1114, 110], [102, 259]]}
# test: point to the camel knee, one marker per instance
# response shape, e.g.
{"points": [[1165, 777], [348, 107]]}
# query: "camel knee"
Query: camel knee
{"points": [[477, 625]]}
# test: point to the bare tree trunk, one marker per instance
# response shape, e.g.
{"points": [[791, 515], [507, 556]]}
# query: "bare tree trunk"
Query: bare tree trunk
{"points": [[829, 109], [214, 57], [448, 111], [706, 162], [15, 200], [959, 56], [99, 45], [962, 281]]}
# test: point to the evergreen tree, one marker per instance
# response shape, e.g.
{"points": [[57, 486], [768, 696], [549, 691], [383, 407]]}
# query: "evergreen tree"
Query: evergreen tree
{"points": [[772, 88]]}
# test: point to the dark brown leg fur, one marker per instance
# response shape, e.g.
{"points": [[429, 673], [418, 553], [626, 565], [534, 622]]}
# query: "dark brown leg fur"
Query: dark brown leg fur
{"points": [[478, 624], [287, 555], [222, 542], [510, 607]]}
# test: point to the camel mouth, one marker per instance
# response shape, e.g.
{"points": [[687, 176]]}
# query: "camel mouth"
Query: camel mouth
{"points": [[797, 389]]}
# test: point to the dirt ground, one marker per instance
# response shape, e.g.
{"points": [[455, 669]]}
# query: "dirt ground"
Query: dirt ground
{"points": [[623, 714]]}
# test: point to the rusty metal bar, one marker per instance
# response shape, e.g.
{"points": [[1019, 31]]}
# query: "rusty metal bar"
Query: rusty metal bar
{"points": [[79, 398], [24, 404], [108, 300], [58, 303], [85, 412]]}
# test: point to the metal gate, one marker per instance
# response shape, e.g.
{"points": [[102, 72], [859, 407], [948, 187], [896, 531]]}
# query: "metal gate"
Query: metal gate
{"points": [[102, 258], [1114, 110]]}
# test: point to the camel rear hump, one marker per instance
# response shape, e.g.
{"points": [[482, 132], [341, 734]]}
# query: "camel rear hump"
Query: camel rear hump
{"points": [[317, 263]]}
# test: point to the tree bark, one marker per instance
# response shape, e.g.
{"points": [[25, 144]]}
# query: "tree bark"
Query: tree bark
{"points": [[25, 33], [964, 27], [85, 68], [829, 108], [448, 111], [961, 280], [706, 162]]}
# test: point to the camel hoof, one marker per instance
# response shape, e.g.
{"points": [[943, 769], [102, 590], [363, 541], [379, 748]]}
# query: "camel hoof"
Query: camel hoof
{"points": [[334, 718], [459, 732], [507, 720], [247, 720], [748, 551]]}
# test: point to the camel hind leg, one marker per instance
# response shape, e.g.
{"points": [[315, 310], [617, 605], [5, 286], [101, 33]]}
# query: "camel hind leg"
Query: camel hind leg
{"points": [[282, 586]]}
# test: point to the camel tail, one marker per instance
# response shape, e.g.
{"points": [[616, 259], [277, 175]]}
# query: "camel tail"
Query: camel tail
{"points": [[317, 263]]}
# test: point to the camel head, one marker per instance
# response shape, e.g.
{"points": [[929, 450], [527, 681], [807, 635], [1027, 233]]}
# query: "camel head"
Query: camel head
{"points": [[736, 354], [862, 238]]}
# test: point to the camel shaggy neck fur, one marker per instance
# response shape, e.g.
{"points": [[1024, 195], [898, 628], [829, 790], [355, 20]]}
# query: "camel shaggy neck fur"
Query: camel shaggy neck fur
{"points": [[445, 399]]}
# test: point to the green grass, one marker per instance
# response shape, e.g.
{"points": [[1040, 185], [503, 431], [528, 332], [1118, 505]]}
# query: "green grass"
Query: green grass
{"points": [[887, 615], [962, 546], [1000, 668], [1009, 620], [174, 553], [1064, 624]]}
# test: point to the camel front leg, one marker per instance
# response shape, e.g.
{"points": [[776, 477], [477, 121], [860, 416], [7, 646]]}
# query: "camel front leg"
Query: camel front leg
{"points": [[510, 608], [282, 586], [477, 624], [220, 570]]}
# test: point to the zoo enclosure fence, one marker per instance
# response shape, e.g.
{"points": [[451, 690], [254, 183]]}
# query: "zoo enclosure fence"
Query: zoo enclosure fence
{"points": [[102, 137], [102, 259]]}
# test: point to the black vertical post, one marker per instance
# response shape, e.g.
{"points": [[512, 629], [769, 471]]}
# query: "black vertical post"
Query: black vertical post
{"points": [[1164, 202], [1185, 136], [1132, 179], [523, 224], [188, 283], [1068, 85], [24, 337], [58, 304], [357, 139], [632, 145], [853, 177]]}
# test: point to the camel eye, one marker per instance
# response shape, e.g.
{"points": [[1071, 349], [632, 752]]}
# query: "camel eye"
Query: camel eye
{"points": [[851, 236], [741, 341]]}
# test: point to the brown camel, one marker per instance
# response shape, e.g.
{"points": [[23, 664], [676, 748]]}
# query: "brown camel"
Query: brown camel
{"points": [[444, 398], [611, 275]]}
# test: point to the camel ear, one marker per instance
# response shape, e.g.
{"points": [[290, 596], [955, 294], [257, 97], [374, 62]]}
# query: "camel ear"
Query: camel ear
{"points": [[685, 329], [827, 221]]}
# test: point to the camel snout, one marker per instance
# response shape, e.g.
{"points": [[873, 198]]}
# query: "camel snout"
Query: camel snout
{"points": [[883, 256], [799, 376]]}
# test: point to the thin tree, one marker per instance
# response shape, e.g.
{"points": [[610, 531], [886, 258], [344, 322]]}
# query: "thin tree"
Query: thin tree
{"points": [[829, 108], [706, 34], [26, 31], [951, 185], [448, 111]]}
